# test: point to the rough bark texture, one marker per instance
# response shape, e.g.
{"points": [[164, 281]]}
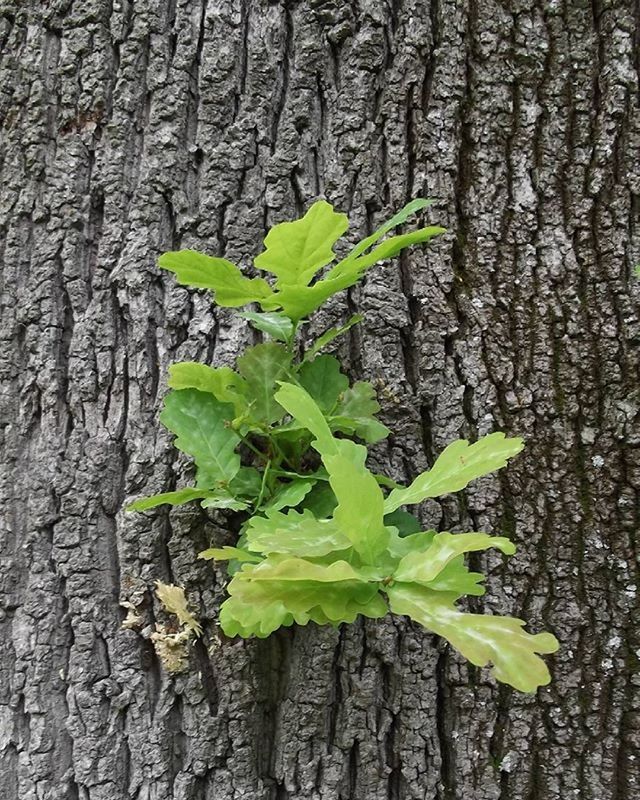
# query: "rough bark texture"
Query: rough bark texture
{"points": [[129, 128]]}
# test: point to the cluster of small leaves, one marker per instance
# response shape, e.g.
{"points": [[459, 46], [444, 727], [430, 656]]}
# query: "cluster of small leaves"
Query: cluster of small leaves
{"points": [[283, 438]]}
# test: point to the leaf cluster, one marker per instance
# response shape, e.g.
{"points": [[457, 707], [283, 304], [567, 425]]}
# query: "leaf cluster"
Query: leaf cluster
{"points": [[283, 439]]}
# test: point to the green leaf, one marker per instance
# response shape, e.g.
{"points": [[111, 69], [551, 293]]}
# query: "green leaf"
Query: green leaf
{"points": [[365, 428], [388, 249], [480, 638], [300, 405], [296, 534], [262, 366], [176, 498], [458, 464], [290, 494], [222, 382], [321, 500], [221, 276], [359, 512], [359, 401], [298, 569], [423, 567], [274, 323], [405, 523], [399, 546], [200, 423], [457, 580], [247, 483], [299, 301], [354, 414], [223, 499], [329, 335], [260, 607], [401, 216], [295, 251], [228, 554], [324, 381]]}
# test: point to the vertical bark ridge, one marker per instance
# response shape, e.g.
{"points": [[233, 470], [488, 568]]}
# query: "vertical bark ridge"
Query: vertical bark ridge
{"points": [[129, 129]]}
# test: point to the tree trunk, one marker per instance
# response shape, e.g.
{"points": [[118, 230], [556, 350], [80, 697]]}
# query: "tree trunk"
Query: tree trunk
{"points": [[130, 128]]}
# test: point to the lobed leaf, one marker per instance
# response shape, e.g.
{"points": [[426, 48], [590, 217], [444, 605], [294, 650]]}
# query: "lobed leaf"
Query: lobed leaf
{"points": [[274, 323], [262, 366], [424, 566], [289, 494], [173, 599], [292, 568], [359, 512], [480, 638], [397, 219], [295, 251], [457, 465], [230, 286], [200, 423], [324, 381], [257, 608], [299, 534], [222, 382]]}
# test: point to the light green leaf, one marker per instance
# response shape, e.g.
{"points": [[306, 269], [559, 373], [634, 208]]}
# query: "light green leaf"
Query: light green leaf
{"points": [[329, 335], [176, 498], [228, 554], [221, 276], [262, 366], [223, 499], [480, 638], [295, 251], [200, 423], [257, 608], [274, 323], [290, 494], [399, 546], [358, 401], [359, 512], [222, 382], [297, 569], [397, 219], [365, 428], [388, 249], [422, 567], [457, 580], [458, 464], [296, 534], [324, 381], [299, 301], [300, 405], [354, 414]]}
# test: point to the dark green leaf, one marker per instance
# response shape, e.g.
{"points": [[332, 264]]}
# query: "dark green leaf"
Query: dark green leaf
{"points": [[261, 366], [405, 523], [323, 380], [201, 425]]}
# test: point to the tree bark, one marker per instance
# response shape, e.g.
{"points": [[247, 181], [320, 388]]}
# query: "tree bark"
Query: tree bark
{"points": [[130, 128]]}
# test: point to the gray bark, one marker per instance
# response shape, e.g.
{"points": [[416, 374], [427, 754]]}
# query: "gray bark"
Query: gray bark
{"points": [[133, 128]]}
